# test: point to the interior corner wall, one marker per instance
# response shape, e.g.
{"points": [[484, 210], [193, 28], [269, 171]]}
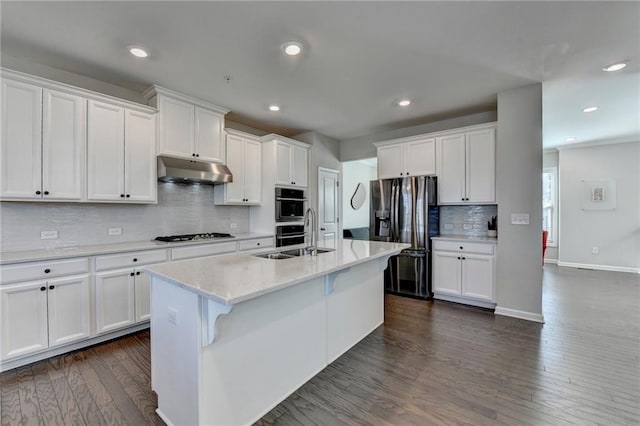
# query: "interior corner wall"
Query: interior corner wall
{"points": [[550, 159], [519, 190], [616, 233]]}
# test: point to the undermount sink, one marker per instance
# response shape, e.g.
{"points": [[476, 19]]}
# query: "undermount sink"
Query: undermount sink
{"points": [[290, 254]]}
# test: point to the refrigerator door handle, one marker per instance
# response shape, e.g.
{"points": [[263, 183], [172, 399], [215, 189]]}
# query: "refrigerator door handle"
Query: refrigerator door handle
{"points": [[396, 202]]}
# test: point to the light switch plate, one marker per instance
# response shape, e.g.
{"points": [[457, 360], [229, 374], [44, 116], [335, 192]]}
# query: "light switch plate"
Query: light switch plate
{"points": [[467, 226], [520, 218], [233, 225], [448, 226], [115, 231], [173, 315], [48, 235]]}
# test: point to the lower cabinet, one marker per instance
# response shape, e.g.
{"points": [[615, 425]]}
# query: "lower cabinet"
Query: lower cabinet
{"points": [[464, 271]]}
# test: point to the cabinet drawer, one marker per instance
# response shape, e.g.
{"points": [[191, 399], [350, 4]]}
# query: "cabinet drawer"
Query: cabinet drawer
{"points": [[134, 258], [43, 270], [202, 250], [464, 247], [255, 244]]}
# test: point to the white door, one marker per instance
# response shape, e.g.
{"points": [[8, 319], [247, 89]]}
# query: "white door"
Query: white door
{"points": [[252, 171], [68, 302], [283, 164], [477, 276], [21, 141], [24, 318], [300, 166], [390, 162], [446, 273], [177, 123], [208, 139], [115, 300], [450, 151], [328, 206], [235, 190], [63, 145], [105, 152], [481, 166], [143, 296], [420, 157], [140, 175]]}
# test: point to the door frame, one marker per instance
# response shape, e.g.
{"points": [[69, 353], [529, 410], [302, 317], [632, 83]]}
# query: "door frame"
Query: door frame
{"points": [[339, 199]]}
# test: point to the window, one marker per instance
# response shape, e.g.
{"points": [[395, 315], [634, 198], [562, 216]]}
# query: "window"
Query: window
{"points": [[550, 204]]}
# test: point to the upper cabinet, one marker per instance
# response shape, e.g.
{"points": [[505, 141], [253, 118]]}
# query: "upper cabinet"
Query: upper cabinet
{"points": [[292, 163], [413, 156], [466, 166], [43, 143], [244, 159], [188, 127]]}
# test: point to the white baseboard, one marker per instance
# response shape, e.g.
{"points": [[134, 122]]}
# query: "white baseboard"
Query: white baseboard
{"points": [[600, 267], [551, 261], [163, 417], [514, 313], [464, 300]]}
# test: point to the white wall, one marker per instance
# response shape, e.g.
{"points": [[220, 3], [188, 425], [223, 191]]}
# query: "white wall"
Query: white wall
{"points": [[519, 190], [616, 233], [353, 173], [550, 159]]}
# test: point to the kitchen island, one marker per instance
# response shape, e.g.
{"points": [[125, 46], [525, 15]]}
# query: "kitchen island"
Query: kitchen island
{"points": [[232, 336]]}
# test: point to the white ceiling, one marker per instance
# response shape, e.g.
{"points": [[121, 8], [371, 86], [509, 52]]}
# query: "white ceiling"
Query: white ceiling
{"points": [[358, 58]]}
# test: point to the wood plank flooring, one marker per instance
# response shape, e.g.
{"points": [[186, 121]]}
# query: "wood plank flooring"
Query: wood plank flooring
{"points": [[431, 363]]}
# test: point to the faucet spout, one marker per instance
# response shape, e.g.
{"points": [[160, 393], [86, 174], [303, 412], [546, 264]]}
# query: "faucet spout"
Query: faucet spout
{"points": [[310, 216]]}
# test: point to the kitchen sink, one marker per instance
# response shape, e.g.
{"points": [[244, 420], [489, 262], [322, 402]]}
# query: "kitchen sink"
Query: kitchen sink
{"points": [[274, 256], [290, 254]]}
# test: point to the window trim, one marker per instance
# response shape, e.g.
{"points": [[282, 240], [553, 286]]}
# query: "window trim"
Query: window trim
{"points": [[555, 217]]}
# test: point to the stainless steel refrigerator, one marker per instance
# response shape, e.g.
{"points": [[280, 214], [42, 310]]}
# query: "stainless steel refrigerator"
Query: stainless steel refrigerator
{"points": [[404, 210]]}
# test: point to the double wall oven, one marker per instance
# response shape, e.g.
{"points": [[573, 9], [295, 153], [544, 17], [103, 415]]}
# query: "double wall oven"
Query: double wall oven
{"points": [[290, 206]]}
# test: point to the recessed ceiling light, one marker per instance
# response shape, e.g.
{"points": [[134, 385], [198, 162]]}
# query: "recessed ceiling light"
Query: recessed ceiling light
{"points": [[590, 109], [292, 48], [404, 102], [571, 139], [138, 52], [615, 67], [274, 108]]}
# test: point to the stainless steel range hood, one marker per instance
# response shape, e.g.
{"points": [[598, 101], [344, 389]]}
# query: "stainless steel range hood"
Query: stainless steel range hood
{"points": [[179, 170]]}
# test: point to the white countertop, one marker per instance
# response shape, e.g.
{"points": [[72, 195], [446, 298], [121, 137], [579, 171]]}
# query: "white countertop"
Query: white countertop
{"points": [[491, 240], [92, 250], [238, 277]]}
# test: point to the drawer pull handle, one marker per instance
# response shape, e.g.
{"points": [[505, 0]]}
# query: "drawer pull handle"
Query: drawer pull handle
{"points": [[46, 271], [43, 288], [51, 287]]}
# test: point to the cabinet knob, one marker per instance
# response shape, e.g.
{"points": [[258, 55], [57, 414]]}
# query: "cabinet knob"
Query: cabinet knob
{"points": [[46, 271], [43, 288], [258, 243], [51, 287], [323, 229], [464, 258], [46, 192], [197, 155], [135, 259], [38, 192], [128, 195], [461, 199], [466, 199], [138, 273], [121, 195], [193, 155], [461, 247], [401, 174], [132, 274], [407, 173], [458, 257]]}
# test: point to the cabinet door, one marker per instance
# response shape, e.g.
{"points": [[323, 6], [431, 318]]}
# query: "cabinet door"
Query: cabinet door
{"points": [[481, 166], [21, 141], [235, 189], [63, 145], [253, 171], [300, 167], [143, 296], [477, 276], [209, 125], [24, 318], [115, 300], [283, 164], [68, 301], [177, 123], [450, 152], [390, 162], [420, 157], [446, 273], [105, 152], [140, 156]]}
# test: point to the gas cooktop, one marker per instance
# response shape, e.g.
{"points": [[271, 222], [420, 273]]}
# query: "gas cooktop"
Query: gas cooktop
{"points": [[194, 237]]}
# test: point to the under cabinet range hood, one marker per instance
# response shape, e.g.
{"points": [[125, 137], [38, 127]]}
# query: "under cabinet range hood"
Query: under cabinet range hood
{"points": [[179, 170]]}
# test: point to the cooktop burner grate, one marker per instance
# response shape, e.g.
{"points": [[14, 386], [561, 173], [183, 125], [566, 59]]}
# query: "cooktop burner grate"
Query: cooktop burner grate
{"points": [[194, 237]]}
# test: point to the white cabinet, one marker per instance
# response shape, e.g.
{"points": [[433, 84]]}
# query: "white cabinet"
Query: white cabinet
{"points": [[43, 142], [188, 127], [406, 157], [68, 309], [466, 167], [292, 165], [464, 271], [121, 154], [244, 159]]}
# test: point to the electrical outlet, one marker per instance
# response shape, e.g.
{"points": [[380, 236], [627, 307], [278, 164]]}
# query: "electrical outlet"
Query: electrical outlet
{"points": [[519, 218], [595, 250], [173, 316], [115, 231], [49, 235], [448, 226], [467, 226], [233, 225]]}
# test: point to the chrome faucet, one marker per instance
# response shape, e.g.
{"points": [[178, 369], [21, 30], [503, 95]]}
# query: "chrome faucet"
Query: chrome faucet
{"points": [[310, 214]]}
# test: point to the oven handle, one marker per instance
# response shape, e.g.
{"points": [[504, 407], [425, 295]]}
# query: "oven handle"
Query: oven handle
{"points": [[290, 236], [290, 199]]}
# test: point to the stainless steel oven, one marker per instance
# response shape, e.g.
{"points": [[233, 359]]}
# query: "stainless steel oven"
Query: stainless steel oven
{"points": [[290, 205], [288, 235]]}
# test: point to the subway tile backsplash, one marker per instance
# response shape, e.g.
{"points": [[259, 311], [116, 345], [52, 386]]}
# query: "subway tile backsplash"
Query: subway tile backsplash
{"points": [[466, 220], [181, 209]]}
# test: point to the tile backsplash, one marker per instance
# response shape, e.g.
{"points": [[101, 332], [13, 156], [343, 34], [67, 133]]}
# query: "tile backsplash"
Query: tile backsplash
{"points": [[474, 217], [181, 209]]}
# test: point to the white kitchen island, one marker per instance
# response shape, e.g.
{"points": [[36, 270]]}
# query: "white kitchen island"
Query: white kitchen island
{"points": [[232, 336]]}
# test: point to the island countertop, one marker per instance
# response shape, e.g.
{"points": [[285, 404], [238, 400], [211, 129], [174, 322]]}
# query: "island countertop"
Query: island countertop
{"points": [[238, 277]]}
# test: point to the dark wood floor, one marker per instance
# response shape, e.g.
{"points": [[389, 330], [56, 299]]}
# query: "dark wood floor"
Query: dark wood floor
{"points": [[431, 363]]}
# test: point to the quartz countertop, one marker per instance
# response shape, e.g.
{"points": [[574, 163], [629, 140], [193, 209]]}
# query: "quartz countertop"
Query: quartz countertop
{"points": [[492, 240], [98, 249], [238, 277]]}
